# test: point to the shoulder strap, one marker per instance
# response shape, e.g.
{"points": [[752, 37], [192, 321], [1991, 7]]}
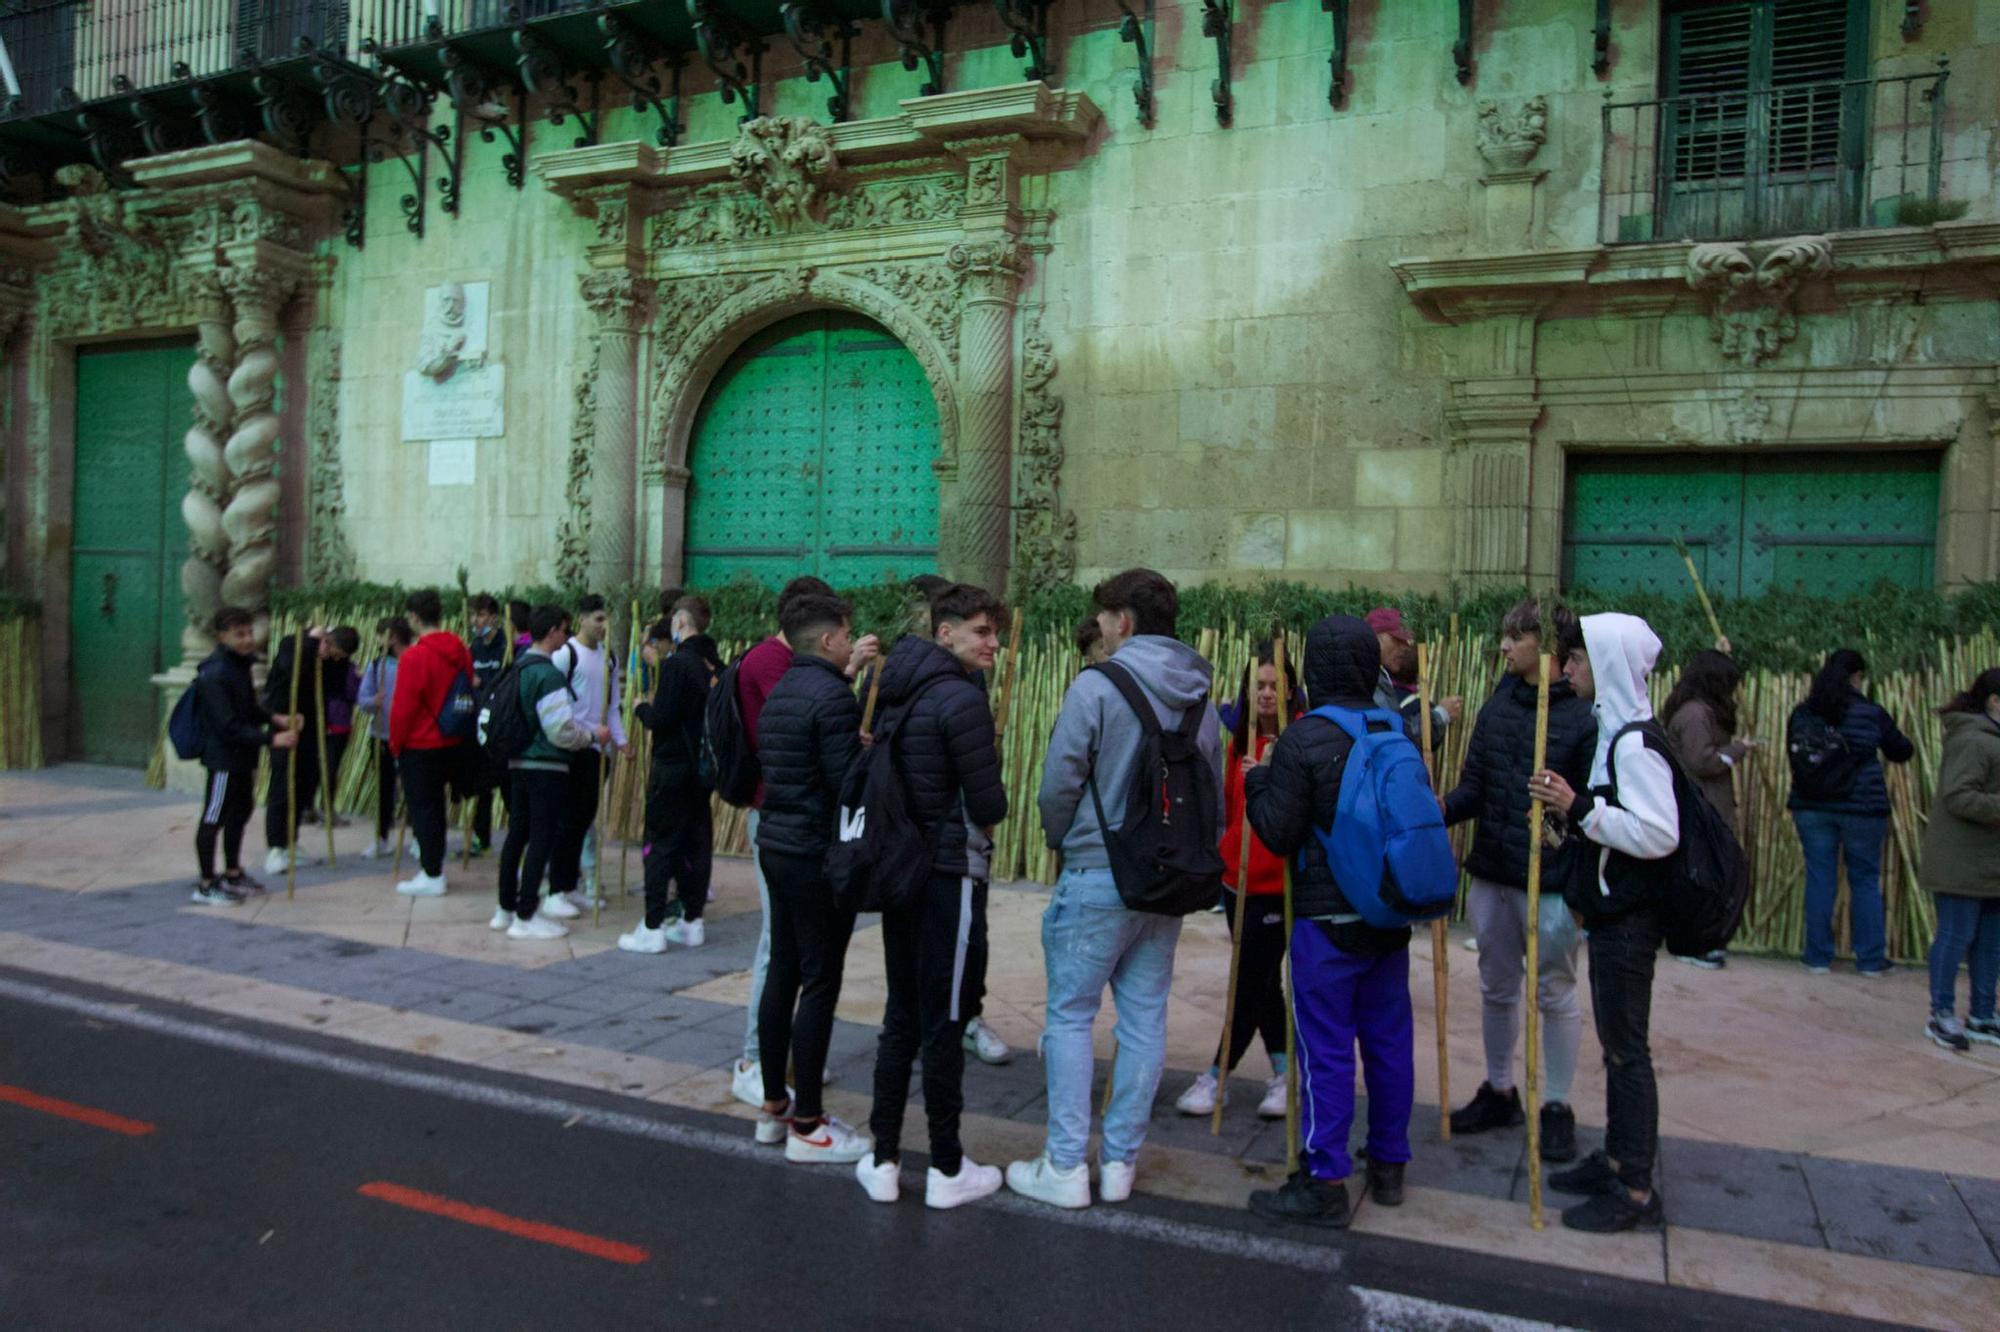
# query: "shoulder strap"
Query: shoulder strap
{"points": [[1135, 697]]}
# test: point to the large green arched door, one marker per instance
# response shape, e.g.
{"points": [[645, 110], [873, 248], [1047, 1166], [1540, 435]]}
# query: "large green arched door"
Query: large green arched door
{"points": [[813, 453]]}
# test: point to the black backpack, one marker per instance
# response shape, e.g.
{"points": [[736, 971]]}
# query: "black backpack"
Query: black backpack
{"points": [[505, 728], [1705, 883], [881, 856], [1163, 855], [728, 764], [1824, 767]]}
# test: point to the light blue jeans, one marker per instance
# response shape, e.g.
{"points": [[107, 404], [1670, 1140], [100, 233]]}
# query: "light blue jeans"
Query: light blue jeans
{"points": [[1089, 940], [760, 961]]}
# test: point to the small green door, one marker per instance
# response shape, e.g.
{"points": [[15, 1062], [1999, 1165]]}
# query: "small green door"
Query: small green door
{"points": [[1825, 524], [127, 543], [813, 454]]}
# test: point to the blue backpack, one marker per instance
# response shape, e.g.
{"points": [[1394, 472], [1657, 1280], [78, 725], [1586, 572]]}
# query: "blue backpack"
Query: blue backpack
{"points": [[184, 724], [1388, 850]]}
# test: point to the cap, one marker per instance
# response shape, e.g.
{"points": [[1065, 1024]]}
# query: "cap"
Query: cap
{"points": [[1388, 620]]}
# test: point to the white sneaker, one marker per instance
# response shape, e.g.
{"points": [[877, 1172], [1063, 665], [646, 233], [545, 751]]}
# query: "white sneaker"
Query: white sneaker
{"points": [[541, 927], [985, 1043], [972, 1182], [884, 1182], [643, 940], [378, 849], [1273, 1104], [559, 907], [772, 1129], [579, 898], [1114, 1180], [421, 884], [687, 933], [502, 918], [746, 1082], [1199, 1098], [274, 860], [832, 1143], [1040, 1180]]}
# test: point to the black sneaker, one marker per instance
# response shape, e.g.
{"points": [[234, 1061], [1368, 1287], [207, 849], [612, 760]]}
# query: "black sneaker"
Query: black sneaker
{"points": [[1558, 1133], [1945, 1029], [1593, 1175], [242, 884], [213, 893], [1385, 1182], [1489, 1109], [1305, 1201], [1984, 1030], [1609, 1213]]}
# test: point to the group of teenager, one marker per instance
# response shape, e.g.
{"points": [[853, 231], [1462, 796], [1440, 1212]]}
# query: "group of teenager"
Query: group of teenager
{"points": [[1613, 788]]}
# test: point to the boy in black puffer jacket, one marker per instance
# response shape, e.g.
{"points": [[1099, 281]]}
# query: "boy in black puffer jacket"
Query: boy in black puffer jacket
{"points": [[935, 949], [680, 833], [1493, 788], [234, 726], [1351, 981], [807, 736]]}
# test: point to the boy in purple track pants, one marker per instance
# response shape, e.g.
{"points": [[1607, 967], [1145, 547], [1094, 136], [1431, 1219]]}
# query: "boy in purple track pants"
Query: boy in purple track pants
{"points": [[1351, 981]]}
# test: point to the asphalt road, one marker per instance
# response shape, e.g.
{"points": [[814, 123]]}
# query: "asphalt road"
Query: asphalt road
{"points": [[256, 1177]]}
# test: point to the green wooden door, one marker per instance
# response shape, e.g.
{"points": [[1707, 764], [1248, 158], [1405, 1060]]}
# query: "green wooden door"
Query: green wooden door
{"points": [[813, 453], [1824, 524], [127, 544]]}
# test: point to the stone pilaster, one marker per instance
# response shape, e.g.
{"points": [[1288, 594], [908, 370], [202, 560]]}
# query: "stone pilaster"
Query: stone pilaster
{"points": [[975, 529], [620, 303]]}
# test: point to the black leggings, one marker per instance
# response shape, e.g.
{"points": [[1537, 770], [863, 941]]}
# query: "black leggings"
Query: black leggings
{"points": [[531, 835], [385, 790], [228, 799], [1260, 990], [809, 934]]}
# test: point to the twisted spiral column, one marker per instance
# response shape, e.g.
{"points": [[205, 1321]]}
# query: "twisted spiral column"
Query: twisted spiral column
{"points": [[975, 539], [208, 479], [251, 516]]}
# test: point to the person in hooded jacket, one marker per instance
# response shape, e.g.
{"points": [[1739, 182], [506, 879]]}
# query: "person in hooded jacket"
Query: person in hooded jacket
{"points": [[680, 832], [1851, 825], [1631, 817], [933, 949], [234, 726], [1961, 866], [1493, 788], [1350, 980], [431, 763], [1090, 939]]}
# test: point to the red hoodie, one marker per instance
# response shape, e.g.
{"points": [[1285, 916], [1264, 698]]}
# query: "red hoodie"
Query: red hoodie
{"points": [[423, 679], [1267, 868], [763, 666]]}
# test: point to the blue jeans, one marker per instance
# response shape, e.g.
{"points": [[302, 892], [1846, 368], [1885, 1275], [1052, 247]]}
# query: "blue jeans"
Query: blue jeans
{"points": [[1826, 837], [1966, 927], [1090, 940], [1340, 1000], [760, 961]]}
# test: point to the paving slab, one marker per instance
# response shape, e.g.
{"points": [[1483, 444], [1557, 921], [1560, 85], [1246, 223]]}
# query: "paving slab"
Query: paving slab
{"points": [[1982, 1198], [1762, 1195], [1906, 1215]]}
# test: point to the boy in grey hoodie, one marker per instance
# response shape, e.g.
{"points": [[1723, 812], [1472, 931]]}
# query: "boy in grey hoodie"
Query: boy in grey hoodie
{"points": [[1089, 938]]}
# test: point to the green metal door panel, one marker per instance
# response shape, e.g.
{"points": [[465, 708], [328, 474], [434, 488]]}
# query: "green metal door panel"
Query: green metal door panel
{"points": [[1831, 526], [813, 454], [128, 542], [1624, 514], [881, 495]]}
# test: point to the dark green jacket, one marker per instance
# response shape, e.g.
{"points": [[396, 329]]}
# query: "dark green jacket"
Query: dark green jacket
{"points": [[1962, 840], [546, 697]]}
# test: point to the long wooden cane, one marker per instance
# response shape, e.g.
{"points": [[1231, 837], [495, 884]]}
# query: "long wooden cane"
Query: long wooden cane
{"points": [[1700, 592], [1007, 674], [325, 777], [292, 773], [1533, 1082], [1250, 729], [1291, 983], [603, 781], [868, 704], [1440, 935]]}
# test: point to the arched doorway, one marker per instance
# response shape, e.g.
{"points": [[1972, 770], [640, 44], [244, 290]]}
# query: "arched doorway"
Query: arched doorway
{"points": [[813, 453]]}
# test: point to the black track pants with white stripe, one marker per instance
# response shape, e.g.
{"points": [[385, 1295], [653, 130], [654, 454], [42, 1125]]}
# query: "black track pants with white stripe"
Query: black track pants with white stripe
{"points": [[934, 952], [227, 801]]}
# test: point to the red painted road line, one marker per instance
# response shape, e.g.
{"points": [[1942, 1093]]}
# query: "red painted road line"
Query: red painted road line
{"points": [[82, 1114], [418, 1201]]}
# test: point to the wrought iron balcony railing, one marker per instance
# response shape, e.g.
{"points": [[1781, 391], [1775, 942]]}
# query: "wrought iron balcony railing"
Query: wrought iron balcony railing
{"points": [[1780, 161]]}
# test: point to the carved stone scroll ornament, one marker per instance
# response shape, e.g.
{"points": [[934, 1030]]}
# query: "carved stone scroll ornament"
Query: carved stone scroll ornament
{"points": [[329, 555], [251, 518], [618, 299], [209, 483], [725, 216], [1044, 536], [1750, 298], [788, 162], [1509, 137], [930, 290], [573, 532]]}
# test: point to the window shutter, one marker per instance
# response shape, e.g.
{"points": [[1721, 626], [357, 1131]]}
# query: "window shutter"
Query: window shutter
{"points": [[1711, 67], [1808, 47]]}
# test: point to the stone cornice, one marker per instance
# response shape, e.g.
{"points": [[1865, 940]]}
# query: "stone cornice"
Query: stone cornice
{"points": [[1940, 260], [926, 127]]}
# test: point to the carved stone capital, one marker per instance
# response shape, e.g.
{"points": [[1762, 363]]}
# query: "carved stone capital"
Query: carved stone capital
{"points": [[1509, 137], [258, 294], [988, 268], [618, 299]]}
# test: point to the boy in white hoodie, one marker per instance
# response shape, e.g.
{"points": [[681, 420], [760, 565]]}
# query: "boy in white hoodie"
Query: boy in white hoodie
{"points": [[1631, 815]]}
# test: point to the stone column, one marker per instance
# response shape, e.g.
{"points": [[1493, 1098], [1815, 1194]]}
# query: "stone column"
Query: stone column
{"points": [[974, 527], [619, 301], [250, 519], [209, 482]]}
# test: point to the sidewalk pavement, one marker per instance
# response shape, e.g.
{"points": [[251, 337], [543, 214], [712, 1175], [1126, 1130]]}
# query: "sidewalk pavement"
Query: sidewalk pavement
{"points": [[1816, 1149]]}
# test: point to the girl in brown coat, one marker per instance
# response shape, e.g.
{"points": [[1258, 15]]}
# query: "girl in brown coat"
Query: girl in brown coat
{"points": [[1961, 866], [1700, 717]]}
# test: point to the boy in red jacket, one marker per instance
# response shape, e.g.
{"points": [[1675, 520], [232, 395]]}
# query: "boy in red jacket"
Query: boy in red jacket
{"points": [[430, 761]]}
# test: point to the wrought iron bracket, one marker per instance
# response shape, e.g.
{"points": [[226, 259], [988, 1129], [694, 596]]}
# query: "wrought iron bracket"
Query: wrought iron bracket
{"points": [[1461, 50], [633, 59], [163, 128], [481, 97], [907, 21], [1336, 86], [407, 103], [1913, 19], [358, 99], [1600, 61], [111, 142], [287, 112], [732, 53], [1132, 29], [547, 75], [1217, 17], [813, 37], [1028, 21]]}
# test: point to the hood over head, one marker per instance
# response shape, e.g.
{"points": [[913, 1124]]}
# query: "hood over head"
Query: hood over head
{"points": [[1170, 670], [1343, 662], [1623, 649]]}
